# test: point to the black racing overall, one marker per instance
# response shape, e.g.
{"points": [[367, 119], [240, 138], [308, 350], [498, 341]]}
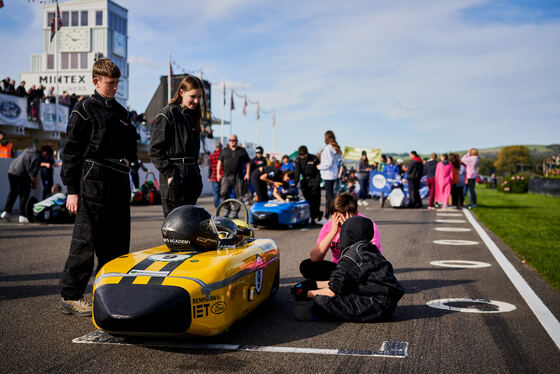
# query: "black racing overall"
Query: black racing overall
{"points": [[99, 139], [310, 183], [174, 149]]}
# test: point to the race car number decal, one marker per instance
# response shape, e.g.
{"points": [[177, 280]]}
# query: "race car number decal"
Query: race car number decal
{"points": [[167, 257], [259, 275]]}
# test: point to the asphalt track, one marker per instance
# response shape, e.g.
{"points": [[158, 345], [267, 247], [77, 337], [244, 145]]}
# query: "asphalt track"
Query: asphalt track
{"points": [[36, 337]]}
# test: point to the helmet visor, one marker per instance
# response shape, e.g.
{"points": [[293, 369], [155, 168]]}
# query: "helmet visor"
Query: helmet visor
{"points": [[208, 226]]}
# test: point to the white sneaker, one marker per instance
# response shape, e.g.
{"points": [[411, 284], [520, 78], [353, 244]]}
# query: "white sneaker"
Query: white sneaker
{"points": [[360, 203], [23, 219], [365, 203], [4, 215], [80, 307]]}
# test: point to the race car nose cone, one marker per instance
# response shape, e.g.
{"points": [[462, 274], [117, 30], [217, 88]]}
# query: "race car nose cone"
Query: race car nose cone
{"points": [[265, 218], [135, 308]]}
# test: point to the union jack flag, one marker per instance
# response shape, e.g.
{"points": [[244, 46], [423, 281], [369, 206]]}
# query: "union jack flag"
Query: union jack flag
{"points": [[53, 31]]}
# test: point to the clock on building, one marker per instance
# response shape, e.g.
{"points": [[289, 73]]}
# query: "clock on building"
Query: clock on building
{"points": [[74, 39], [119, 44]]}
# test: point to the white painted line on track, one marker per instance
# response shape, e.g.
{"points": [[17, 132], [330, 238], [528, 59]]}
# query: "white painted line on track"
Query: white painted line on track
{"points": [[544, 315], [453, 229], [461, 264], [449, 214], [389, 349], [498, 306], [451, 220], [455, 242]]}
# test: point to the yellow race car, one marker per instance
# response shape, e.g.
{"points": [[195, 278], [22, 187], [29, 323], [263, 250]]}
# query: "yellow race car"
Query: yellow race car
{"points": [[210, 273]]}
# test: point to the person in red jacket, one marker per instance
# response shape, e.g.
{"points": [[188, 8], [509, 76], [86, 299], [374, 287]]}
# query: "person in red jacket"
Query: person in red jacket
{"points": [[213, 173]]}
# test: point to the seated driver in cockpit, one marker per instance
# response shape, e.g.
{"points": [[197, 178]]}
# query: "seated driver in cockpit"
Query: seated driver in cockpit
{"points": [[288, 190]]}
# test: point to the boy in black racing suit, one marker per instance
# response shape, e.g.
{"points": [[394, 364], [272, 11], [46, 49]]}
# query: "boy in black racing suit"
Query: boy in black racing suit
{"points": [[100, 144]]}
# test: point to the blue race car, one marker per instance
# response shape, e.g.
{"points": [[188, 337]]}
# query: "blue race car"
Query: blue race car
{"points": [[294, 212]]}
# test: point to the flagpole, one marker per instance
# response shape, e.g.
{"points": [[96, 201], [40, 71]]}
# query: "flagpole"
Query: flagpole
{"points": [[56, 64], [223, 111], [257, 125], [169, 78], [231, 115], [274, 132], [245, 121]]}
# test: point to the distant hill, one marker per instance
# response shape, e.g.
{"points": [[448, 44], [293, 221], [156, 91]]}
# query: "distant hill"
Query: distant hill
{"points": [[535, 149]]}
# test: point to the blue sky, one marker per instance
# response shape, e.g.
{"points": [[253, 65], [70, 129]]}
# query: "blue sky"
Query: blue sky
{"points": [[431, 75]]}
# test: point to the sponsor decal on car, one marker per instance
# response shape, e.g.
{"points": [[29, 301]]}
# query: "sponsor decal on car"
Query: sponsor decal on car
{"points": [[218, 308], [200, 310], [149, 273], [199, 300]]}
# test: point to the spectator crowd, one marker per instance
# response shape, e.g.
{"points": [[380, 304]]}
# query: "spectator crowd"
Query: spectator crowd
{"points": [[35, 95]]}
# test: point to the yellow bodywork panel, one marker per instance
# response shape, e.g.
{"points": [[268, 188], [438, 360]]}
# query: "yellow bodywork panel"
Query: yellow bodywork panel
{"points": [[223, 285]]}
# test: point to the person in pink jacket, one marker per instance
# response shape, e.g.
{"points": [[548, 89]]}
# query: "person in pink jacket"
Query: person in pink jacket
{"points": [[471, 162], [342, 207], [444, 179]]}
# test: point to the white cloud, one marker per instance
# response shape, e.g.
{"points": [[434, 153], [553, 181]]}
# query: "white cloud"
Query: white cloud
{"points": [[147, 62]]}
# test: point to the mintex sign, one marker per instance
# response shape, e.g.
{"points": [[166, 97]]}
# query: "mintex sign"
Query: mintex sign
{"points": [[77, 82], [51, 79]]}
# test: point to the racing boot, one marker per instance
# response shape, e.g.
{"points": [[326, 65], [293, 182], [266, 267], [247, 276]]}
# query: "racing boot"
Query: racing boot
{"points": [[80, 307]]}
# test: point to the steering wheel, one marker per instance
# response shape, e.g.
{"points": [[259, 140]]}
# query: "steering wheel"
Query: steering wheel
{"points": [[233, 201]]}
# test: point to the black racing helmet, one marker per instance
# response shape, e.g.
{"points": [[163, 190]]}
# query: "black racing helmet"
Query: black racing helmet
{"points": [[190, 227]]}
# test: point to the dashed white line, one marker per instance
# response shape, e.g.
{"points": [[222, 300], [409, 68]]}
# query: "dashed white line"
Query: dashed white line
{"points": [[453, 229], [455, 242], [451, 221], [461, 264]]}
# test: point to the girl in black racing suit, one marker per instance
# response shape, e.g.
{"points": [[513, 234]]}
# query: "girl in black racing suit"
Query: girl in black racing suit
{"points": [[175, 145]]}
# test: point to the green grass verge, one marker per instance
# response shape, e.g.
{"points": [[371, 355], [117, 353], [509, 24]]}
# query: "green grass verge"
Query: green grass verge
{"points": [[529, 224]]}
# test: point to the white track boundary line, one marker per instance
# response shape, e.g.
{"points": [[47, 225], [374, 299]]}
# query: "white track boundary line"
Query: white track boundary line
{"points": [[389, 349], [544, 315]]}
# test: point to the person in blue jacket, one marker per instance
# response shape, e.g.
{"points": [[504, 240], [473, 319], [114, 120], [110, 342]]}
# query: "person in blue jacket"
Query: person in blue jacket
{"points": [[287, 164], [391, 169]]}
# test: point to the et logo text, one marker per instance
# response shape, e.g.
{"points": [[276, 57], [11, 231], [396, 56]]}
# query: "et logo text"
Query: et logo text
{"points": [[200, 310]]}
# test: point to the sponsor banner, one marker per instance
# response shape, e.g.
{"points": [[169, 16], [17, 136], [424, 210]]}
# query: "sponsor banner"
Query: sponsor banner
{"points": [[78, 82], [378, 183], [13, 110], [354, 153], [48, 114]]}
